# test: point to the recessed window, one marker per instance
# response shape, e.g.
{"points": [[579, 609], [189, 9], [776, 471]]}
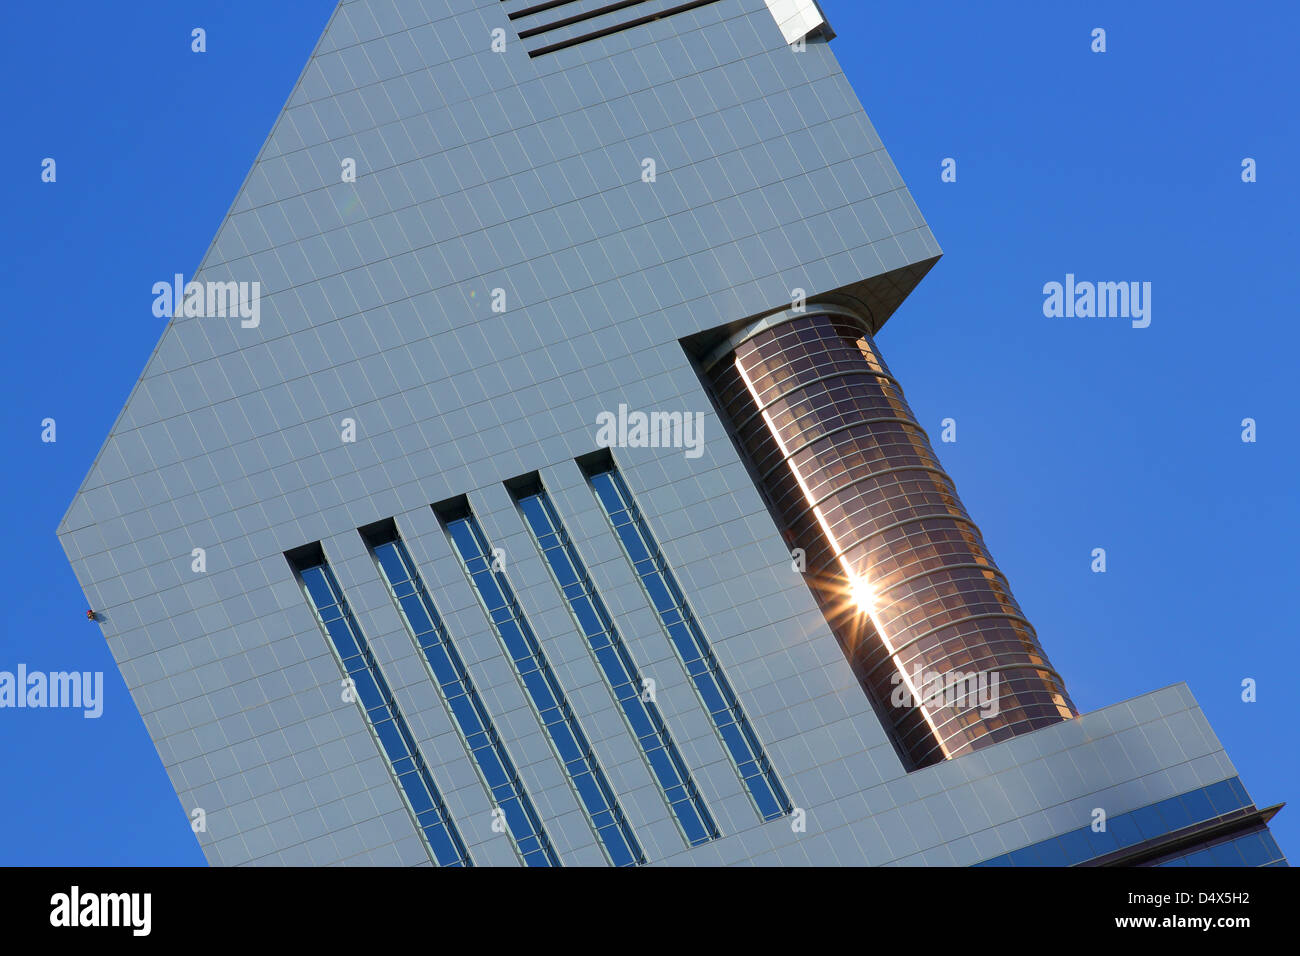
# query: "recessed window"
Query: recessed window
{"points": [[366, 680], [687, 639], [635, 697], [539, 682], [477, 733]]}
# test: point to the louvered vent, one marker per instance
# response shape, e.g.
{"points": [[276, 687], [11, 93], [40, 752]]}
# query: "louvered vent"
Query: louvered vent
{"points": [[546, 26]]}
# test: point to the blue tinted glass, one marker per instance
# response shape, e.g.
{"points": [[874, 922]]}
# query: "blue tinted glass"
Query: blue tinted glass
{"points": [[692, 647], [1047, 853], [1226, 854], [1241, 797], [1075, 846], [457, 690], [1124, 830], [1175, 814], [1025, 856], [1198, 806], [320, 592], [386, 721], [616, 664], [1254, 849], [1156, 820], [1149, 822], [1275, 852], [543, 690], [1101, 842], [1223, 798]]}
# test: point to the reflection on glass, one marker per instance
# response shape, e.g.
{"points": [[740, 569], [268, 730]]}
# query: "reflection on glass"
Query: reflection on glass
{"points": [[615, 662], [899, 568], [539, 682], [456, 688], [385, 719], [688, 640]]}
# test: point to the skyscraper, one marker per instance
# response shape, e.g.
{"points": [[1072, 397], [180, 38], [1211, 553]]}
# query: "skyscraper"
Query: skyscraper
{"points": [[550, 502]]}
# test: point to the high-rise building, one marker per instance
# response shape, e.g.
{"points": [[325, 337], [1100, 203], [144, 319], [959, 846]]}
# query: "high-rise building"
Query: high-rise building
{"points": [[547, 500]]}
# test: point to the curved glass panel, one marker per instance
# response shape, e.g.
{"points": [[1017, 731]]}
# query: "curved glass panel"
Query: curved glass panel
{"points": [[901, 571]]}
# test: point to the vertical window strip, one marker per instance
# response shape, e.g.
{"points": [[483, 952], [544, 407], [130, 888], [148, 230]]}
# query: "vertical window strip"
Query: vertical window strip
{"points": [[385, 720], [687, 638], [611, 655], [543, 690], [477, 732]]}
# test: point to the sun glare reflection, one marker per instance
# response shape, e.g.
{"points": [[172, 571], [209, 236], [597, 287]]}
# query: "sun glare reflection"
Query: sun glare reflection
{"points": [[864, 595], [861, 596]]}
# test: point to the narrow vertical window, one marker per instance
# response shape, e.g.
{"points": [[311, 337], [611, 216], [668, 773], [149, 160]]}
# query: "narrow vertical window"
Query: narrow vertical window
{"points": [[539, 683], [477, 733], [615, 662], [366, 681], [687, 638]]}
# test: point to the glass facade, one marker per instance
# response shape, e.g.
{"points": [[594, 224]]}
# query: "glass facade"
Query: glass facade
{"points": [[1255, 848], [689, 642], [487, 752], [543, 690], [1128, 830], [385, 720], [611, 655], [900, 570]]}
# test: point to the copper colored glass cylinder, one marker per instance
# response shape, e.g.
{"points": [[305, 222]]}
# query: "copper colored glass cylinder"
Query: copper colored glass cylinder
{"points": [[900, 570]]}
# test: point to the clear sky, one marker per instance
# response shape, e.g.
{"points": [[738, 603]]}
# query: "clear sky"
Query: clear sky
{"points": [[1072, 433]]}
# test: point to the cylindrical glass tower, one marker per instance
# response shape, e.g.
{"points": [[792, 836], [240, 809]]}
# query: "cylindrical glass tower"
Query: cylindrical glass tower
{"points": [[899, 568]]}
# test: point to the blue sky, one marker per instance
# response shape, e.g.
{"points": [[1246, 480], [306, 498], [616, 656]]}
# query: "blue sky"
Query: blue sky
{"points": [[1073, 434]]}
